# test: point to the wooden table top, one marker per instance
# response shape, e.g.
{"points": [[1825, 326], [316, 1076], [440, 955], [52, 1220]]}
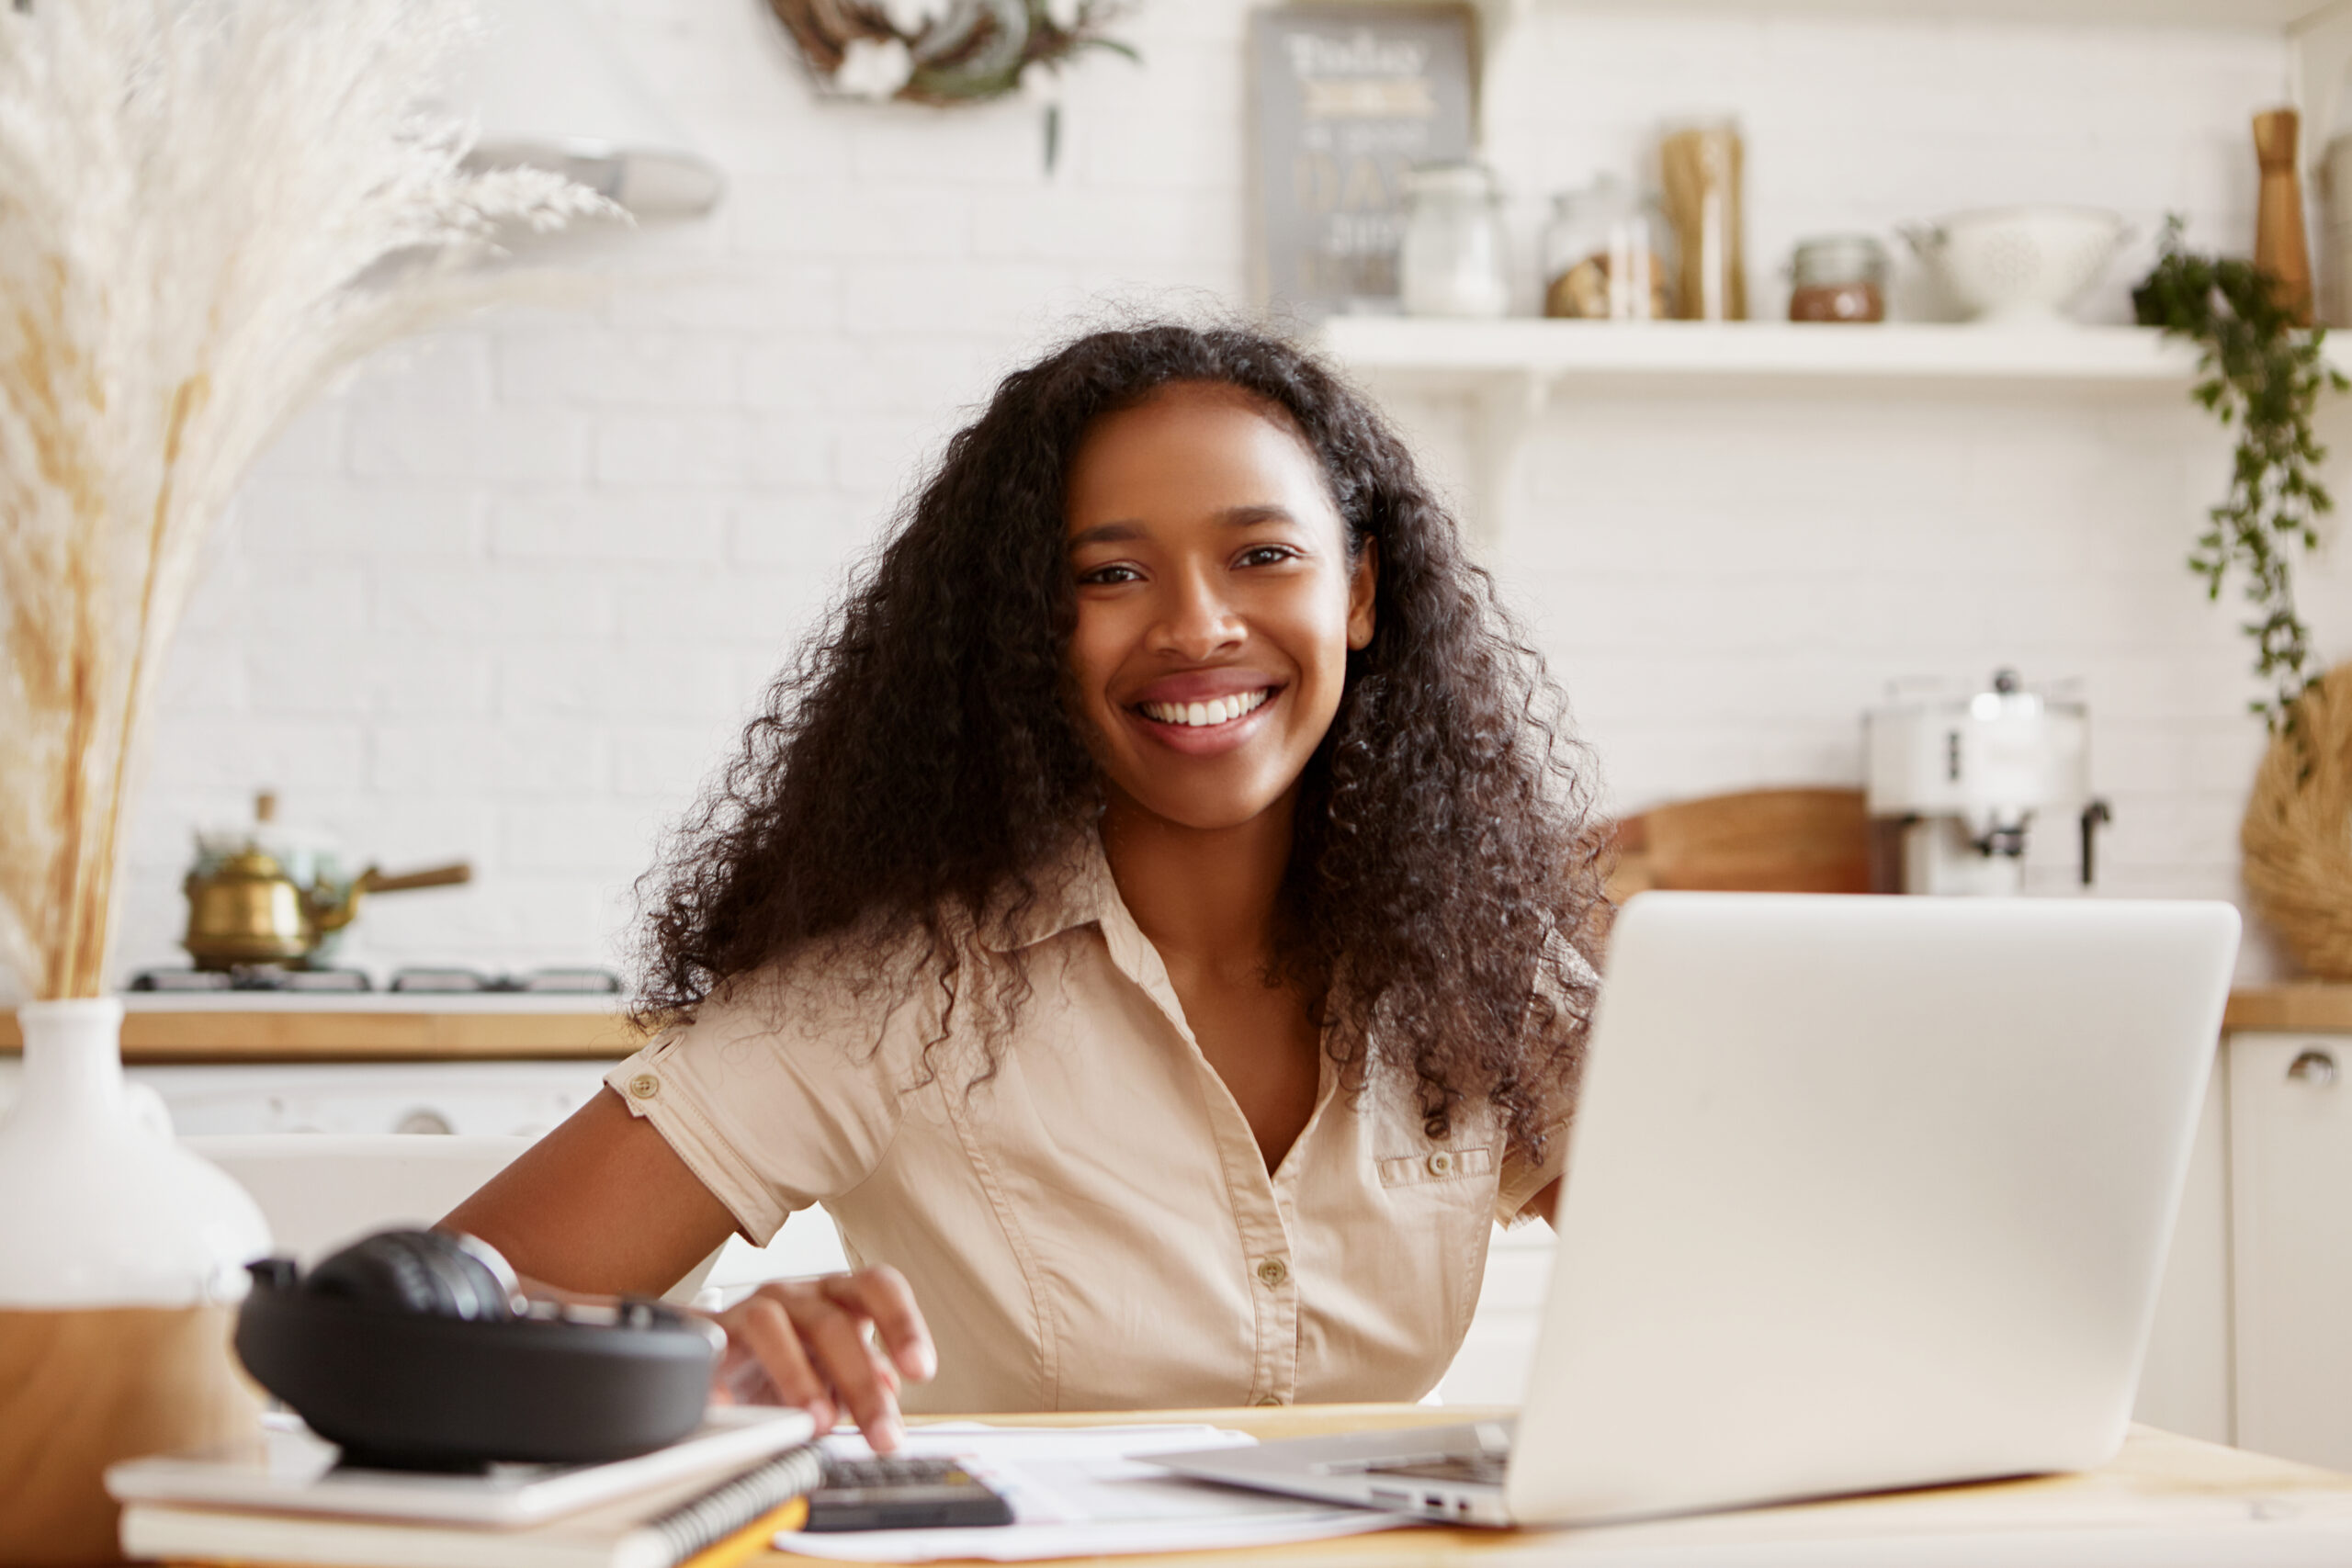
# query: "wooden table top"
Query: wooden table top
{"points": [[2164, 1499]]}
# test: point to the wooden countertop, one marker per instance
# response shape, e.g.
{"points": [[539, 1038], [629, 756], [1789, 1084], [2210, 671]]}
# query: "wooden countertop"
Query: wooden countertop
{"points": [[408, 1028], [378, 1027], [2290, 1009]]}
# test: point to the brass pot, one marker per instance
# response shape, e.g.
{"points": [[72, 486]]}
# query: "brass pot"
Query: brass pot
{"points": [[246, 909]]}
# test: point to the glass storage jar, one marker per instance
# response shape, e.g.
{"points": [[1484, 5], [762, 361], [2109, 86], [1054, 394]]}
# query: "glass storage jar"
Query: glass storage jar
{"points": [[1839, 278], [1450, 260], [1699, 168], [1608, 255]]}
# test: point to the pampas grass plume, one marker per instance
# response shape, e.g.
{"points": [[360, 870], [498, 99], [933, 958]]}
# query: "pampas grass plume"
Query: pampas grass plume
{"points": [[209, 209]]}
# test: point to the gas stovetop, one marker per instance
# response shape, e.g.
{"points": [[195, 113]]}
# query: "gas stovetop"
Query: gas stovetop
{"points": [[445, 982]]}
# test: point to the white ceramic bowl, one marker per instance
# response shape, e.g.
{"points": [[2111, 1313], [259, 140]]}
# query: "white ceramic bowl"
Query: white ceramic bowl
{"points": [[2019, 265]]}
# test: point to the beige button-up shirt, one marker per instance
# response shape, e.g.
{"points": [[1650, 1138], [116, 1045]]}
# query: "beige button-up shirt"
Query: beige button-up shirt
{"points": [[1092, 1226]]}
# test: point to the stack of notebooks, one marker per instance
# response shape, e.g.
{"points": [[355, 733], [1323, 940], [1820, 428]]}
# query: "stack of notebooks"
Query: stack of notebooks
{"points": [[706, 1502]]}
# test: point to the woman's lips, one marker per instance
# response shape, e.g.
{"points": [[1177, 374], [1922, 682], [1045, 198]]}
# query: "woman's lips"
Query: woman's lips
{"points": [[1206, 685], [1211, 738]]}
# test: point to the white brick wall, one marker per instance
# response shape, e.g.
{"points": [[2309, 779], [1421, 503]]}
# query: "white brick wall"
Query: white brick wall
{"points": [[508, 598]]}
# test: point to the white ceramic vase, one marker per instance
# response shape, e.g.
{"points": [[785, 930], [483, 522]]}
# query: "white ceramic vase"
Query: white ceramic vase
{"points": [[122, 1214], [121, 1258]]}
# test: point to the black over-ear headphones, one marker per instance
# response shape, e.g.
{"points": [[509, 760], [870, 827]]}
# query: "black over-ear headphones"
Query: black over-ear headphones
{"points": [[415, 1350]]}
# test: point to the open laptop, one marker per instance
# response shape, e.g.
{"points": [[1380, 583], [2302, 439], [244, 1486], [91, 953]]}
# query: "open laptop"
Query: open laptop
{"points": [[1862, 1193]]}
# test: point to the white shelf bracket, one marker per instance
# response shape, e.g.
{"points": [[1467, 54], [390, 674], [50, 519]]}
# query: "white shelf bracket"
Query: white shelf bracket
{"points": [[2319, 49], [1506, 411]]}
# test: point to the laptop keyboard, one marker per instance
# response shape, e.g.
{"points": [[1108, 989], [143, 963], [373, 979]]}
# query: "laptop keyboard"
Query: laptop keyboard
{"points": [[1475, 1470]]}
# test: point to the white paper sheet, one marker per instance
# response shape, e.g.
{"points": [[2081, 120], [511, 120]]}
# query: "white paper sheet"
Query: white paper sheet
{"points": [[1075, 1493]]}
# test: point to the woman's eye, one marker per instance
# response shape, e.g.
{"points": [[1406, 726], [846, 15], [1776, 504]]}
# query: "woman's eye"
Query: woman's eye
{"points": [[1109, 574], [1267, 554]]}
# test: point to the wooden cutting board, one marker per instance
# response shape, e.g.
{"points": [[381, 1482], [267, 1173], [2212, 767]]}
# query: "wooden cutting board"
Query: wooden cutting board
{"points": [[1760, 841]]}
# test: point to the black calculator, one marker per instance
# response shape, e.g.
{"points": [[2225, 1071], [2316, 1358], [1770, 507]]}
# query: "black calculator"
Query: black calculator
{"points": [[902, 1495]]}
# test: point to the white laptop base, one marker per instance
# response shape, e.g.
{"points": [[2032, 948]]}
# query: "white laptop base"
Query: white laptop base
{"points": [[1454, 1474], [1864, 1194]]}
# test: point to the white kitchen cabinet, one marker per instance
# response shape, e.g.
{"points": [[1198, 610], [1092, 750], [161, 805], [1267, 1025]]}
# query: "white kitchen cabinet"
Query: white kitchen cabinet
{"points": [[2290, 1207]]}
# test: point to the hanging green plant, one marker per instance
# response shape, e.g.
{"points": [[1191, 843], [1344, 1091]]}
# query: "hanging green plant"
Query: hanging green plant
{"points": [[2262, 372]]}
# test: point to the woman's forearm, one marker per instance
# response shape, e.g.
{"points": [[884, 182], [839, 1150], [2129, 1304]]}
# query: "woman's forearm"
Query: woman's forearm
{"points": [[601, 1205]]}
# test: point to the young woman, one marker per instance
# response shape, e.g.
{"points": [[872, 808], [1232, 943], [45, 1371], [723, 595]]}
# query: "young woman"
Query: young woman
{"points": [[1149, 919]]}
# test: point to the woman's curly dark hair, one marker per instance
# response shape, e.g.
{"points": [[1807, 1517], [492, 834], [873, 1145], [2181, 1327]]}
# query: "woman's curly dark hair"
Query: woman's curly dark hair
{"points": [[918, 766]]}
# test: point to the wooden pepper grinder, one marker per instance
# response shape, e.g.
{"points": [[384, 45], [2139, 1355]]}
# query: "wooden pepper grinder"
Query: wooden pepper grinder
{"points": [[2279, 248]]}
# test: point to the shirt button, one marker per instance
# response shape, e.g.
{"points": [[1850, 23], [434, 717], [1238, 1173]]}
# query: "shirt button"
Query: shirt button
{"points": [[1272, 1272], [1442, 1162], [645, 1086], [1268, 1399]]}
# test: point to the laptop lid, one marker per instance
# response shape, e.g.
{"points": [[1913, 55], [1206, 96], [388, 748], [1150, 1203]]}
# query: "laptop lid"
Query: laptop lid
{"points": [[1865, 1193]]}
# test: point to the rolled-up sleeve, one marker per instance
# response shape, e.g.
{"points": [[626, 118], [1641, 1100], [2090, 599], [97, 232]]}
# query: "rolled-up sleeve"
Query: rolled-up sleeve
{"points": [[786, 1088], [1523, 1177]]}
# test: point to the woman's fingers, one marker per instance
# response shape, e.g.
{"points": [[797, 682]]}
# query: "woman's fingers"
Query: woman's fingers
{"points": [[835, 1339], [882, 1293], [763, 1325], [842, 1291], [812, 1339]]}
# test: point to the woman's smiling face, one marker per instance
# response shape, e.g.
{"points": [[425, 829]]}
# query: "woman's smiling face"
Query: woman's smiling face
{"points": [[1216, 605]]}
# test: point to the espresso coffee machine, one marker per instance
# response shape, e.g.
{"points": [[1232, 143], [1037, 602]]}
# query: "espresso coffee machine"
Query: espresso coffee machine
{"points": [[1957, 778]]}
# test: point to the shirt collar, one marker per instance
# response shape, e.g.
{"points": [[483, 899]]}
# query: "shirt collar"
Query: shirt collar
{"points": [[1073, 887]]}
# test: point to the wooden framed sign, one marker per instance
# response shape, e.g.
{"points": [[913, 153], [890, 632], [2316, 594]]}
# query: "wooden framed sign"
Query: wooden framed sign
{"points": [[1347, 98]]}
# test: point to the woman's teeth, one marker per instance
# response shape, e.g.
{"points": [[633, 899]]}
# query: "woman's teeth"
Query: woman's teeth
{"points": [[1219, 710]]}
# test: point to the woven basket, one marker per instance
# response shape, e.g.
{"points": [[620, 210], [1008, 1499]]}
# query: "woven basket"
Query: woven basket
{"points": [[2298, 831]]}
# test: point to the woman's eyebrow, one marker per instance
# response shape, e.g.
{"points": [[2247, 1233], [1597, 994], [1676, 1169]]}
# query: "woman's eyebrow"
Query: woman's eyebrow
{"points": [[1260, 512], [1106, 534], [1121, 531]]}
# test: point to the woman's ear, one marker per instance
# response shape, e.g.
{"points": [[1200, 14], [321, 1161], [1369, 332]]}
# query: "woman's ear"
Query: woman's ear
{"points": [[1361, 595]]}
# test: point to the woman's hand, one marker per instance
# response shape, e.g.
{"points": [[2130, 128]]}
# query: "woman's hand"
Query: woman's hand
{"points": [[806, 1342], [603, 1205]]}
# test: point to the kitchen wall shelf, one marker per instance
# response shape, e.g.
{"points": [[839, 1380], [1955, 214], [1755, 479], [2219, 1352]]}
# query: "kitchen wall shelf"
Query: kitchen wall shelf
{"points": [[1464, 352], [1512, 370]]}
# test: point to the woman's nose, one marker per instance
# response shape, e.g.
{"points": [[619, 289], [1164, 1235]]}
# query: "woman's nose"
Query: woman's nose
{"points": [[1196, 620]]}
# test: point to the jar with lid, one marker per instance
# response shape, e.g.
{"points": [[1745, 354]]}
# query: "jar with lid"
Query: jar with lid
{"points": [[1839, 278], [1450, 260], [1608, 255]]}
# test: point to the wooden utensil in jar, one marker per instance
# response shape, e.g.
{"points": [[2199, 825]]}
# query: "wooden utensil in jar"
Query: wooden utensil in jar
{"points": [[2280, 247]]}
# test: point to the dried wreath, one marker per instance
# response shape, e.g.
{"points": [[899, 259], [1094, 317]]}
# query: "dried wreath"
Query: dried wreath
{"points": [[945, 51]]}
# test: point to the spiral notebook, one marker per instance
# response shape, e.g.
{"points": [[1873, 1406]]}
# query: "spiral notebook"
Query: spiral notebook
{"points": [[701, 1519], [291, 1471]]}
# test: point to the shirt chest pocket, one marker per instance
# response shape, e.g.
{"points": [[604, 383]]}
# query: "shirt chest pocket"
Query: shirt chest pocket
{"points": [[1438, 1200], [1437, 1165]]}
